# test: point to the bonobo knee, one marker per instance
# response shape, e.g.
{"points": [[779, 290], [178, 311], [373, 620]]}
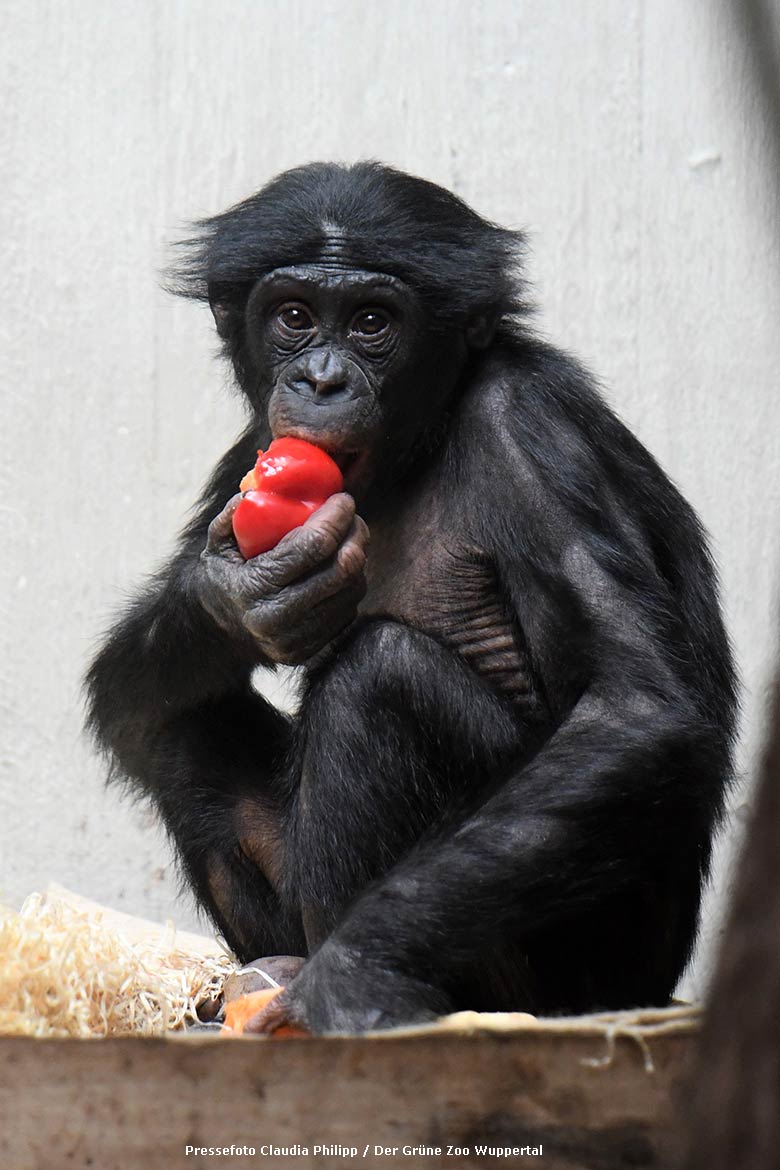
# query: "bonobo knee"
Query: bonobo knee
{"points": [[388, 652], [388, 641], [378, 660]]}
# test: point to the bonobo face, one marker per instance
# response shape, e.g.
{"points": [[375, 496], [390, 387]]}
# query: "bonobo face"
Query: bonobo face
{"points": [[350, 363]]}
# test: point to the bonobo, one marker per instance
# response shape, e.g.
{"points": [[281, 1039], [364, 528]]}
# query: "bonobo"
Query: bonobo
{"points": [[518, 707]]}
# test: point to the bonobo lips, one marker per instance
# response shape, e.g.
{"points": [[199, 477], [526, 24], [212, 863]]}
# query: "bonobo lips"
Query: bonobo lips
{"points": [[351, 464], [343, 459]]}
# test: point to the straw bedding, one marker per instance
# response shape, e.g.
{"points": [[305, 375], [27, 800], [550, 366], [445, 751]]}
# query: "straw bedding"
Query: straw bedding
{"points": [[65, 971]]}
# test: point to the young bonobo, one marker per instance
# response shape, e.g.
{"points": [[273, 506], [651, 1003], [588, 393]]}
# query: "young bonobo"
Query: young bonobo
{"points": [[516, 729]]}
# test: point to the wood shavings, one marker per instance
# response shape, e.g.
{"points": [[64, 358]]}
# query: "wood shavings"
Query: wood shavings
{"points": [[66, 972]]}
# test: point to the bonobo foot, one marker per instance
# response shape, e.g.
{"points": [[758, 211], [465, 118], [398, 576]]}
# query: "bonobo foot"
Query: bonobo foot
{"points": [[340, 990], [262, 974]]}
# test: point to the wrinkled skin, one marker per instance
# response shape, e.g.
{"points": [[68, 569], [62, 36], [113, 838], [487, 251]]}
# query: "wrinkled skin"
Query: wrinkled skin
{"points": [[294, 599]]}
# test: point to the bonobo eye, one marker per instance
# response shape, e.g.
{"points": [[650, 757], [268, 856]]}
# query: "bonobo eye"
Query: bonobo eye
{"points": [[295, 317], [369, 322]]}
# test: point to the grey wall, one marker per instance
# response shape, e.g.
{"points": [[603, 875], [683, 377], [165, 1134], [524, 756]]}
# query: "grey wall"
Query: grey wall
{"points": [[627, 136]]}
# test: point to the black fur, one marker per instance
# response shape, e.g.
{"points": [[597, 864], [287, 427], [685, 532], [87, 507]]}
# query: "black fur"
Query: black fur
{"points": [[512, 753], [391, 222]]}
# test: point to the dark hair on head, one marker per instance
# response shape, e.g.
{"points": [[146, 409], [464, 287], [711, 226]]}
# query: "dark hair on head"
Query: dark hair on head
{"points": [[459, 264]]}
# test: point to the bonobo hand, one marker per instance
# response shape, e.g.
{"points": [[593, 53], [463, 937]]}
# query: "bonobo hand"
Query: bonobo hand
{"points": [[338, 990], [295, 598]]}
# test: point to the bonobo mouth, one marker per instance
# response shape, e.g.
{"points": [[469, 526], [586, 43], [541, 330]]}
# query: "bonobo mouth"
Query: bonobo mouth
{"points": [[351, 461], [344, 460]]}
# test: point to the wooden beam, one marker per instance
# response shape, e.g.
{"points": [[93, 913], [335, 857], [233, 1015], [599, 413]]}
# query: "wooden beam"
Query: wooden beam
{"points": [[591, 1098]]}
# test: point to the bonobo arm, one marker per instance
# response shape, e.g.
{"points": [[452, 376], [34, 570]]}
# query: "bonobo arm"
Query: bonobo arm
{"points": [[166, 654], [193, 638], [171, 698]]}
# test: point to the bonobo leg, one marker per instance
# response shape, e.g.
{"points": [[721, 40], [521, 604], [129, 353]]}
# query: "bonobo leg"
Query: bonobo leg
{"points": [[397, 738], [223, 800], [399, 742]]}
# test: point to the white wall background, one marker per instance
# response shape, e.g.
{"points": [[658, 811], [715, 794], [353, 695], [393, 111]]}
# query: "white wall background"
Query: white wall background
{"points": [[628, 136]]}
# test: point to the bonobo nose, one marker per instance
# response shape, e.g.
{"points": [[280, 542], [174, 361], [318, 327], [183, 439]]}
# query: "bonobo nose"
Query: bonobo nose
{"points": [[321, 374], [309, 386]]}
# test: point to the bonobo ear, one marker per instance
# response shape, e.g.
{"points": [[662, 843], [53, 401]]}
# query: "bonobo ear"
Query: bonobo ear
{"points": [[221, 312], [481, 330]]}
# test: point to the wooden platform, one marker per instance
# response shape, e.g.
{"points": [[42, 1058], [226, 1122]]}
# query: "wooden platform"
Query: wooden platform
{"points": [[594, 1094]]}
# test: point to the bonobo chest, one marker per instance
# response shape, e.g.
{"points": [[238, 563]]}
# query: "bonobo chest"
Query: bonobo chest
{"points": [[424, 569], [410, 539]]}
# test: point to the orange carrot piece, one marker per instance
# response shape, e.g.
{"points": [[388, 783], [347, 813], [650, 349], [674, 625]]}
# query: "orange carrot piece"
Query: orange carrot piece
{"points": [[238, 1011]]}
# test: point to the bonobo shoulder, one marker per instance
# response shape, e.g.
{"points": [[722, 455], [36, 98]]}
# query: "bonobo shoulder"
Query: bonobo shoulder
{"points": [[541, 439], [528, 379], [545, 413], [534, 405]]}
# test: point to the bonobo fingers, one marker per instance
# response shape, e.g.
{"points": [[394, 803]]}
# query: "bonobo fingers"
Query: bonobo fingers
{"points": [[357, 541], [330, 577], [221, 540], [306, 548], [296, 597], [290, 637]]}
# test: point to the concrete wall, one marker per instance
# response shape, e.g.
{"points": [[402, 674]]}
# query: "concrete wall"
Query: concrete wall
{"points": [[627, 136]]}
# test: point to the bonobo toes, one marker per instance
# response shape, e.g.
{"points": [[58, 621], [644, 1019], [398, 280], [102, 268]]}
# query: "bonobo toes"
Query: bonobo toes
{"points": [[262, 974]]}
